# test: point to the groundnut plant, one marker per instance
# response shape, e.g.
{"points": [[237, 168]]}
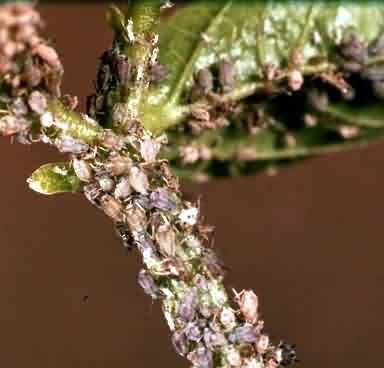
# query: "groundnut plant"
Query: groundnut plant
{"points": [[209, 89]]}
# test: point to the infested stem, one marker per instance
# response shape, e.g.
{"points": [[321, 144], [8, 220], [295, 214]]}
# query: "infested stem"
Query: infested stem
{"points": [[122, 175]]}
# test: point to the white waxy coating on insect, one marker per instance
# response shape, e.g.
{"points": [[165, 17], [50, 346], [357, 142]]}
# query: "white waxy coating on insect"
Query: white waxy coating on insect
{"points": [[217, 293], [138, 180], [136, 219], [120, 165], [189, 216], [38, 102], [112, 207], [248, 303], [123, 188], [149, 148], [233, 357], [192, 241], [106, 183], [228, 318], [262, 344], [254, 363], [82, 170], [166, 238], [295, 80], [47, 120]]}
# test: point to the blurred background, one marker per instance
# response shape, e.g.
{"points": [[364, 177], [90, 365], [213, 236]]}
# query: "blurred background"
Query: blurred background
{"points": [[309, 241]]}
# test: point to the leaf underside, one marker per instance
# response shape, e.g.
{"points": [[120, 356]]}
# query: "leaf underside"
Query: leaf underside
{"points": [[251, 35]]}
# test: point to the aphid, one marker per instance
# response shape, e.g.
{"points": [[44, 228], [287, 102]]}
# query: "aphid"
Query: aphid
{"points": [[141, 201], [352, 48], [245, 333], [377, 46], [349, 132], [188, 216], [38, 102], [213, 263], [166, 239], [269, 72], [122, 68], [296, 58], [111, 140], [289, 140], [255, 363], [119, 165], [248, 303], [233, 357], [166, 5], [378, 89], [204, 79], [48, 54], [262, 344], [374, 73], [287, 354], [168, 177], [90, 106], [82, 170], [106, 183], [205, 153], [318, 99], [228, 318], [186, 309], [295, 80], [352, 66], [336, 80], [193, 332], [93, 193], [148, 284], [213, 339], [67, 144], [149, 148], [47, 120], [200, 114], [180, 343], [112, 208], [123, 188], [11, 125], [162, 199], [138, 180], [246, 351], [32, 75], [104, 74], [201, 357], [158, 73], [136, 219], [189, 154], [310, 120], [226, 75], [124, 235], [19, 107], [171, 267]]}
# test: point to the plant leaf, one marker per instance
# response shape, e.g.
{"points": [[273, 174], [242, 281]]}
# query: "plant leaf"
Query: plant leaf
{"points": [[250, 34], [54, 178], [229, 149]]}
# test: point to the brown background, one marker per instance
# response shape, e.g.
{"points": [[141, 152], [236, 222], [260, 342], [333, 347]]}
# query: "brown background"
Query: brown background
{"points": [[309, 241]]}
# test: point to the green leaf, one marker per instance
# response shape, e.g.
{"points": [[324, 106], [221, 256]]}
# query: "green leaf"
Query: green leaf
{"points": [[250, 34], [115, 18], [54, 178], [366, 116], [229, 148]]}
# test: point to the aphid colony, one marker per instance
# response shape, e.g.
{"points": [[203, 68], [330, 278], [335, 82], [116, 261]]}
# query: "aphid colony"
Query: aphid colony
{"points": [[128, 185], [122, 176], [356, 60]]}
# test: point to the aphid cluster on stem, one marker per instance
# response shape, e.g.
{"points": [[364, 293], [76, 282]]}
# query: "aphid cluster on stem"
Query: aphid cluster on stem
{"points": [[121, 174]]}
